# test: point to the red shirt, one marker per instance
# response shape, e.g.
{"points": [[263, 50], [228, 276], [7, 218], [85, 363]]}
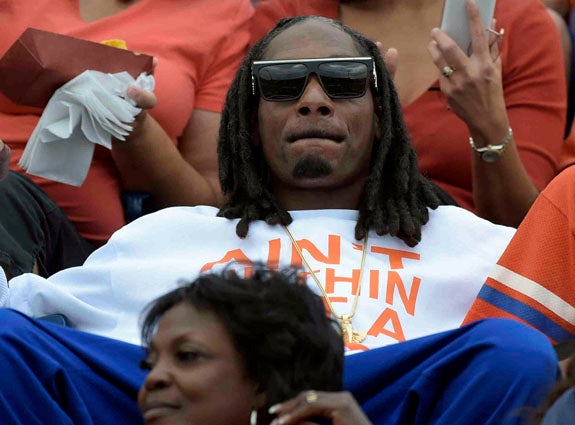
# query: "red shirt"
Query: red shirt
{"points": [[534, 280], [199, 45]]}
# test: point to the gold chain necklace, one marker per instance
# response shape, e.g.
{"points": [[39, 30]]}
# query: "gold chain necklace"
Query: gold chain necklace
{"points": [[345, 320]]}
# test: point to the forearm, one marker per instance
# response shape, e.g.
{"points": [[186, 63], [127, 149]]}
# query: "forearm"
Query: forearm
{"points": [[502, 190], [150, 162]]}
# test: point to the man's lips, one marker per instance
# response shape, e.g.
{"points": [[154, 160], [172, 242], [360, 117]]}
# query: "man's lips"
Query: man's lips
{"points": [[315, 135]]}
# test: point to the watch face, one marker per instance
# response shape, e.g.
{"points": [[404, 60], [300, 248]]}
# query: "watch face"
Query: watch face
{"points": [[490, 156]]}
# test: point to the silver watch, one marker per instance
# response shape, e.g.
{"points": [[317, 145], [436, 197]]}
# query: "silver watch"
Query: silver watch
{"points": [[492, 153]]}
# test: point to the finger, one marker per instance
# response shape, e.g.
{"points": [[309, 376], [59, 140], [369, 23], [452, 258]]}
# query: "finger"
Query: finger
{"points": [[154, 64], [328, 405], [286, 406], [144, 99], [436, 55], [301, 407], [439, 60], [445, 51], [479, 39], [391, 57], [495, 39], [4, 159]]}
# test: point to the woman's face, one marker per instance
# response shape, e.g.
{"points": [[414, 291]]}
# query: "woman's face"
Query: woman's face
{"points": [[196, 376]]}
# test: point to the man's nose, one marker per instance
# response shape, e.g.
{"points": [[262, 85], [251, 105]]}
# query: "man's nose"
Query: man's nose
{"points": [[314, 99]]}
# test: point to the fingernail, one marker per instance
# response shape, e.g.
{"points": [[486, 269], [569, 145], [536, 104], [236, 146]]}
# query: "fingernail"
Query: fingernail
{"points": [[131, 91], [273, 409]]}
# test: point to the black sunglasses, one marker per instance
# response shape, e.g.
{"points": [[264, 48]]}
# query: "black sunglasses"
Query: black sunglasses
{"points": [[286, 80]]}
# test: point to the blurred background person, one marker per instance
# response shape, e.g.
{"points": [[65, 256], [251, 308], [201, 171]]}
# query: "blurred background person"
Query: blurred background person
{"points": [[171, 153]]}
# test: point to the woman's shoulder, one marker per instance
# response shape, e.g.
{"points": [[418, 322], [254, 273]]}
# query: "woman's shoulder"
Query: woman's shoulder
{"points": [[507, 11], [269, 12], [562, 185], [299, 7]]}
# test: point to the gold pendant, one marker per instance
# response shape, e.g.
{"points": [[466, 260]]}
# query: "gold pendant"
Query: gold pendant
{"points": [[349, 335]]}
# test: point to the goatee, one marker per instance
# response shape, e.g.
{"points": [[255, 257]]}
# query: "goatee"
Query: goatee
{"points": [[312, 167]]}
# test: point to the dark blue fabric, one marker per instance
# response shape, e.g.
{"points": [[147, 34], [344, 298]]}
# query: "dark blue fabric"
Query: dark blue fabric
{"points": [[494, 371], [473, 375], [57, 375], [562, 412]]}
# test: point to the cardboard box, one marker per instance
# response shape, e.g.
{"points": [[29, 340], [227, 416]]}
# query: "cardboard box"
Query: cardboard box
{"points": [[39, 62]]}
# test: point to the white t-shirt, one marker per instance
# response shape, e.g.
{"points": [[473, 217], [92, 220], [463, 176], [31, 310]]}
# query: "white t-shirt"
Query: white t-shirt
{"points": [[405, 292]]}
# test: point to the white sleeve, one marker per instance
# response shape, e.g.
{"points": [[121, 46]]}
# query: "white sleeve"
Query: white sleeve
{"points": [[3, 288]]}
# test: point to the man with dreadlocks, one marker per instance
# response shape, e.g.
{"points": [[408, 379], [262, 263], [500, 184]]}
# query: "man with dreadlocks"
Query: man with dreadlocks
{"points": [[319, 173]]}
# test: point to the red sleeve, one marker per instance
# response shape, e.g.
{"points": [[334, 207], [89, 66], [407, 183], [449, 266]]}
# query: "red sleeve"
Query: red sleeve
{"points": [[216, 78], [534, 86], [534, 280], [269, 12]]}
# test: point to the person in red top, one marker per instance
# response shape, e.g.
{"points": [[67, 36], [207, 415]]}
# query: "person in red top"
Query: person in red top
{"points": [[562, 7], [171, 154], [534, 280], [522, 88]]}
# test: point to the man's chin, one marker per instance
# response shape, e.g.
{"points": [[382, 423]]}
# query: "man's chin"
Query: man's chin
{"points": [[312, 167]]}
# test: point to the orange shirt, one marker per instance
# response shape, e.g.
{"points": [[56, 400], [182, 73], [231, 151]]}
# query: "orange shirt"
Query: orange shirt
{"points": [[199, 45], [534, 90], [534, 280]]}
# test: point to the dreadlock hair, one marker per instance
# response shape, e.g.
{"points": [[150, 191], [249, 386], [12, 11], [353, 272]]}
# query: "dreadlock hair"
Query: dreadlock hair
{"points": [[395, 197]]}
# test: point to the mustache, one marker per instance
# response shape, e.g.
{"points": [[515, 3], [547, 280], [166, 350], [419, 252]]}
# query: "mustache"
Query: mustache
{"points": [[315, 133]]}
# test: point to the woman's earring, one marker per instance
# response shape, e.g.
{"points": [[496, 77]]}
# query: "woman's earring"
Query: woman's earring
{"points": [[254, 417]]}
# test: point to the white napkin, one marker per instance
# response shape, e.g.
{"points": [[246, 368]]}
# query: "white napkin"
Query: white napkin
{"points": [[89, 109]]}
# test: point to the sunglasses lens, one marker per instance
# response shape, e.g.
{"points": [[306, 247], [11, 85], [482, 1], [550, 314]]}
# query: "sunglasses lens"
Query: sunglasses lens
{"points": [[287, 81], [343, 80], [282, 82]]}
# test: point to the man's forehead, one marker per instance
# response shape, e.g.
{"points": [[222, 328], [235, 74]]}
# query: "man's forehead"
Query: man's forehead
{"points": [[311, 39]]}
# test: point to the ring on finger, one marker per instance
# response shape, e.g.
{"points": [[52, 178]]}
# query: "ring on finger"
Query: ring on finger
{"points": [[311, 397], [448, 71]]}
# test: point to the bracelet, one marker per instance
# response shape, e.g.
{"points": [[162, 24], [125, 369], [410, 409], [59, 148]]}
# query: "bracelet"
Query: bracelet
{"points": [[491, 153]]}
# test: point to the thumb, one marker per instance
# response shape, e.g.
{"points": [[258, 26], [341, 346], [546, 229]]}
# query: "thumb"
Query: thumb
{"points": [[4, 159], [390, 56], [144, 99]]}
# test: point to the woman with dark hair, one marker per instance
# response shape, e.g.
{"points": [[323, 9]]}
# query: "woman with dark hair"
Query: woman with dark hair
{"points": [[224, 346]]}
